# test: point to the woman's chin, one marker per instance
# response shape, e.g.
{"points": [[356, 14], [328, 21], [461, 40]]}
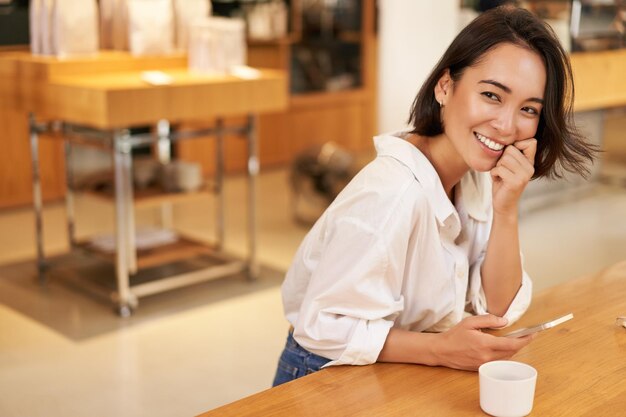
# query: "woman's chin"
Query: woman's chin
{"points": [[482, 166]]}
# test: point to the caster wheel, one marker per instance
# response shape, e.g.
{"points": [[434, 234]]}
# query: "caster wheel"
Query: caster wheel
{"points": [[252, 274], [124, 311], [42, 273]]}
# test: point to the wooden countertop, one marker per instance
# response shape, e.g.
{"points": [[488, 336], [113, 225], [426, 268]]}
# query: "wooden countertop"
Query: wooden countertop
{"points": [[106, 90], [24, 77], [581, 368], [123, 99]]}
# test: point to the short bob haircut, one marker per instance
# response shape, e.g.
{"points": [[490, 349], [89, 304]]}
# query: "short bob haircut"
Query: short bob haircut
{"points": [[559, 145]]}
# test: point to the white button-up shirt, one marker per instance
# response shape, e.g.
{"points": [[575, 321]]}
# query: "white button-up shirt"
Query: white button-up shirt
{"points": [[392, 251]]}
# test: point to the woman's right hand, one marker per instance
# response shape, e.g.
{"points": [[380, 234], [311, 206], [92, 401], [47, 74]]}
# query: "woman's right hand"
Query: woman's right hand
{"points": [[466, 347]]}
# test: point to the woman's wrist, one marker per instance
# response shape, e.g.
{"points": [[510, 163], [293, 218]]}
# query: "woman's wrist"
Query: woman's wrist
{"points": [[404, 346], [506, 217]]}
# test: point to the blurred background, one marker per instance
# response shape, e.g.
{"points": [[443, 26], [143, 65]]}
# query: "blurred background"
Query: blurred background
{"points": [[353, 68]]}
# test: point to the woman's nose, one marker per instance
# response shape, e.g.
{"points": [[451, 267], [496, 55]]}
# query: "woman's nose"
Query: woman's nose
{"points": [[504, 123]]}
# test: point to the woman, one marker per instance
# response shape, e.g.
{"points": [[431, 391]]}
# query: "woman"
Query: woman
{"points": [[421, 250]]}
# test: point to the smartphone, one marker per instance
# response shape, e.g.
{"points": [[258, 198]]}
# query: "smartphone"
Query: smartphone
{"points": [[539, 327]]}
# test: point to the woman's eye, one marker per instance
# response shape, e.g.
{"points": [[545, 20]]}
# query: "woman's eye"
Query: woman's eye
{"points": [[491, 96], [530, 110]]}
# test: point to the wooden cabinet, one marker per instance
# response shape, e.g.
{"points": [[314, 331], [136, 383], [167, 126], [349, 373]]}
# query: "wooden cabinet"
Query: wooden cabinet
{"points": [[15, 159], [15, 162]]}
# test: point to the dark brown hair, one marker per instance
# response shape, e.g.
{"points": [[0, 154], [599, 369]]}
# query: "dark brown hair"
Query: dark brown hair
{"points": [[559, 145]]}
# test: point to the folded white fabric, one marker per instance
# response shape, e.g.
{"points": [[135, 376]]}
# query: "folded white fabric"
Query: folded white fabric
{"points": [[151, 27], [75, 28], [185, 12], [145, 238], [217, 44]]}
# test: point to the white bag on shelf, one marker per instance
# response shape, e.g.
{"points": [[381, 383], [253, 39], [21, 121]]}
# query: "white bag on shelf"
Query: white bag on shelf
{"points": [[185, 12], [151, 27], [75, 28], [267, 20], [45, 27], [34, 26], [217, 44], [280, 18]]}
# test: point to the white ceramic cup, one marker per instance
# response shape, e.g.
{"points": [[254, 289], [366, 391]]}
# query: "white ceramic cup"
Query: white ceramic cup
{"points": [[507, 388]]}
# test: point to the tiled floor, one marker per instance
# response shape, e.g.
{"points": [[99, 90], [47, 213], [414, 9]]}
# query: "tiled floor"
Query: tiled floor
{"points": [[182, 354]]}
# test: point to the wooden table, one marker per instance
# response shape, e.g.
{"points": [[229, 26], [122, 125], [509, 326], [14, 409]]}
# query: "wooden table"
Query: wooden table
{"points": [[97, 100], [24, 81], [581, 366]]}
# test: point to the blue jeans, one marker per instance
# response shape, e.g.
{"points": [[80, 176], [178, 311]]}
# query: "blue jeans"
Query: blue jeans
{"points": [[296, 362]]}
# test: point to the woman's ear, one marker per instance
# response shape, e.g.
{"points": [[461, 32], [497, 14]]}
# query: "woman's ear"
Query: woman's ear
{"points": [[443, 88]]}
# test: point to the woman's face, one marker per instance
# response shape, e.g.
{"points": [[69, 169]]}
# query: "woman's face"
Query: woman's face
{"points": [[496, 102]]}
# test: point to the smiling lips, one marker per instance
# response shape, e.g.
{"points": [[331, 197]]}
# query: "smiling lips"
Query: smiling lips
{"points": [[494, 146]]}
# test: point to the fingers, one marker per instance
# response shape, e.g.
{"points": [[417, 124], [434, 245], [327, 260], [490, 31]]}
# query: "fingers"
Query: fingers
{"points": [[513, 169], [485, 321], [514, 160], [499, 343], [528, 148], [510, 344], [466, 347], [493, 348], [505, 174]]}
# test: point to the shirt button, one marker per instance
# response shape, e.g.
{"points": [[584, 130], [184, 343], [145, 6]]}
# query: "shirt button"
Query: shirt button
{"points": [[459, 272]]}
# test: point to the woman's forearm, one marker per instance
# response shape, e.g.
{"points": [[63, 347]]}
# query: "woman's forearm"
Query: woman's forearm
{"points": [[464, 346], [501, 270]]}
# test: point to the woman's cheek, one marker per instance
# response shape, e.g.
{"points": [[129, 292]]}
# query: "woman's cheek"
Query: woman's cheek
{"points": [[529, 129]]}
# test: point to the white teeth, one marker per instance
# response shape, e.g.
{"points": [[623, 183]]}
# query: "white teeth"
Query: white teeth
{"points": [[490, 144]]}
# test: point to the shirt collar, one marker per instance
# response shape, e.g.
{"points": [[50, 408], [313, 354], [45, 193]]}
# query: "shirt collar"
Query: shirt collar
{"points": [[476, 190], [475, 186]]}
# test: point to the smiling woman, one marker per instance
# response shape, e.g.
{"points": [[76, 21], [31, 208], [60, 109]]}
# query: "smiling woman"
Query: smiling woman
{"points": [[421, 250], [561, 147], [496, 103]]}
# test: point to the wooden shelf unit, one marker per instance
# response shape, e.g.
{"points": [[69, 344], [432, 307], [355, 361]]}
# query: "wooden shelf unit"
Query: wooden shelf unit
{"points": [[346, 117]]}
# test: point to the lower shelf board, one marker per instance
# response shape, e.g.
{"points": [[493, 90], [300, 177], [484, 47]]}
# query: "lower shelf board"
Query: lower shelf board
{"points": [[97, 274], [183, 248], [154, 197]]}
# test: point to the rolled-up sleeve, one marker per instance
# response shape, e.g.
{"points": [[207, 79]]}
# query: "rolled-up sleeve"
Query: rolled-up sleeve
{"points": [[353, 296], [478, 300]]}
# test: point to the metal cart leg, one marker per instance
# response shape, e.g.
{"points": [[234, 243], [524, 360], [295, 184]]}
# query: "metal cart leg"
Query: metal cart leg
{"points": [[37, 200], [164, 155], [124, 221], [131, 250], [219, 183], [253, 170], [69, 195]]}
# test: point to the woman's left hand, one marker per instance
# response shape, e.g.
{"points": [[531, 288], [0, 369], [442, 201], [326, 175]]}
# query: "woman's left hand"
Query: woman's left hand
{"points": [[511, 174]]}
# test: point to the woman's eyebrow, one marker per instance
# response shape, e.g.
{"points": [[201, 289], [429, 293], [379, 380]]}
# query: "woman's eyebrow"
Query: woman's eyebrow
{"points": [[508, 90]]}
